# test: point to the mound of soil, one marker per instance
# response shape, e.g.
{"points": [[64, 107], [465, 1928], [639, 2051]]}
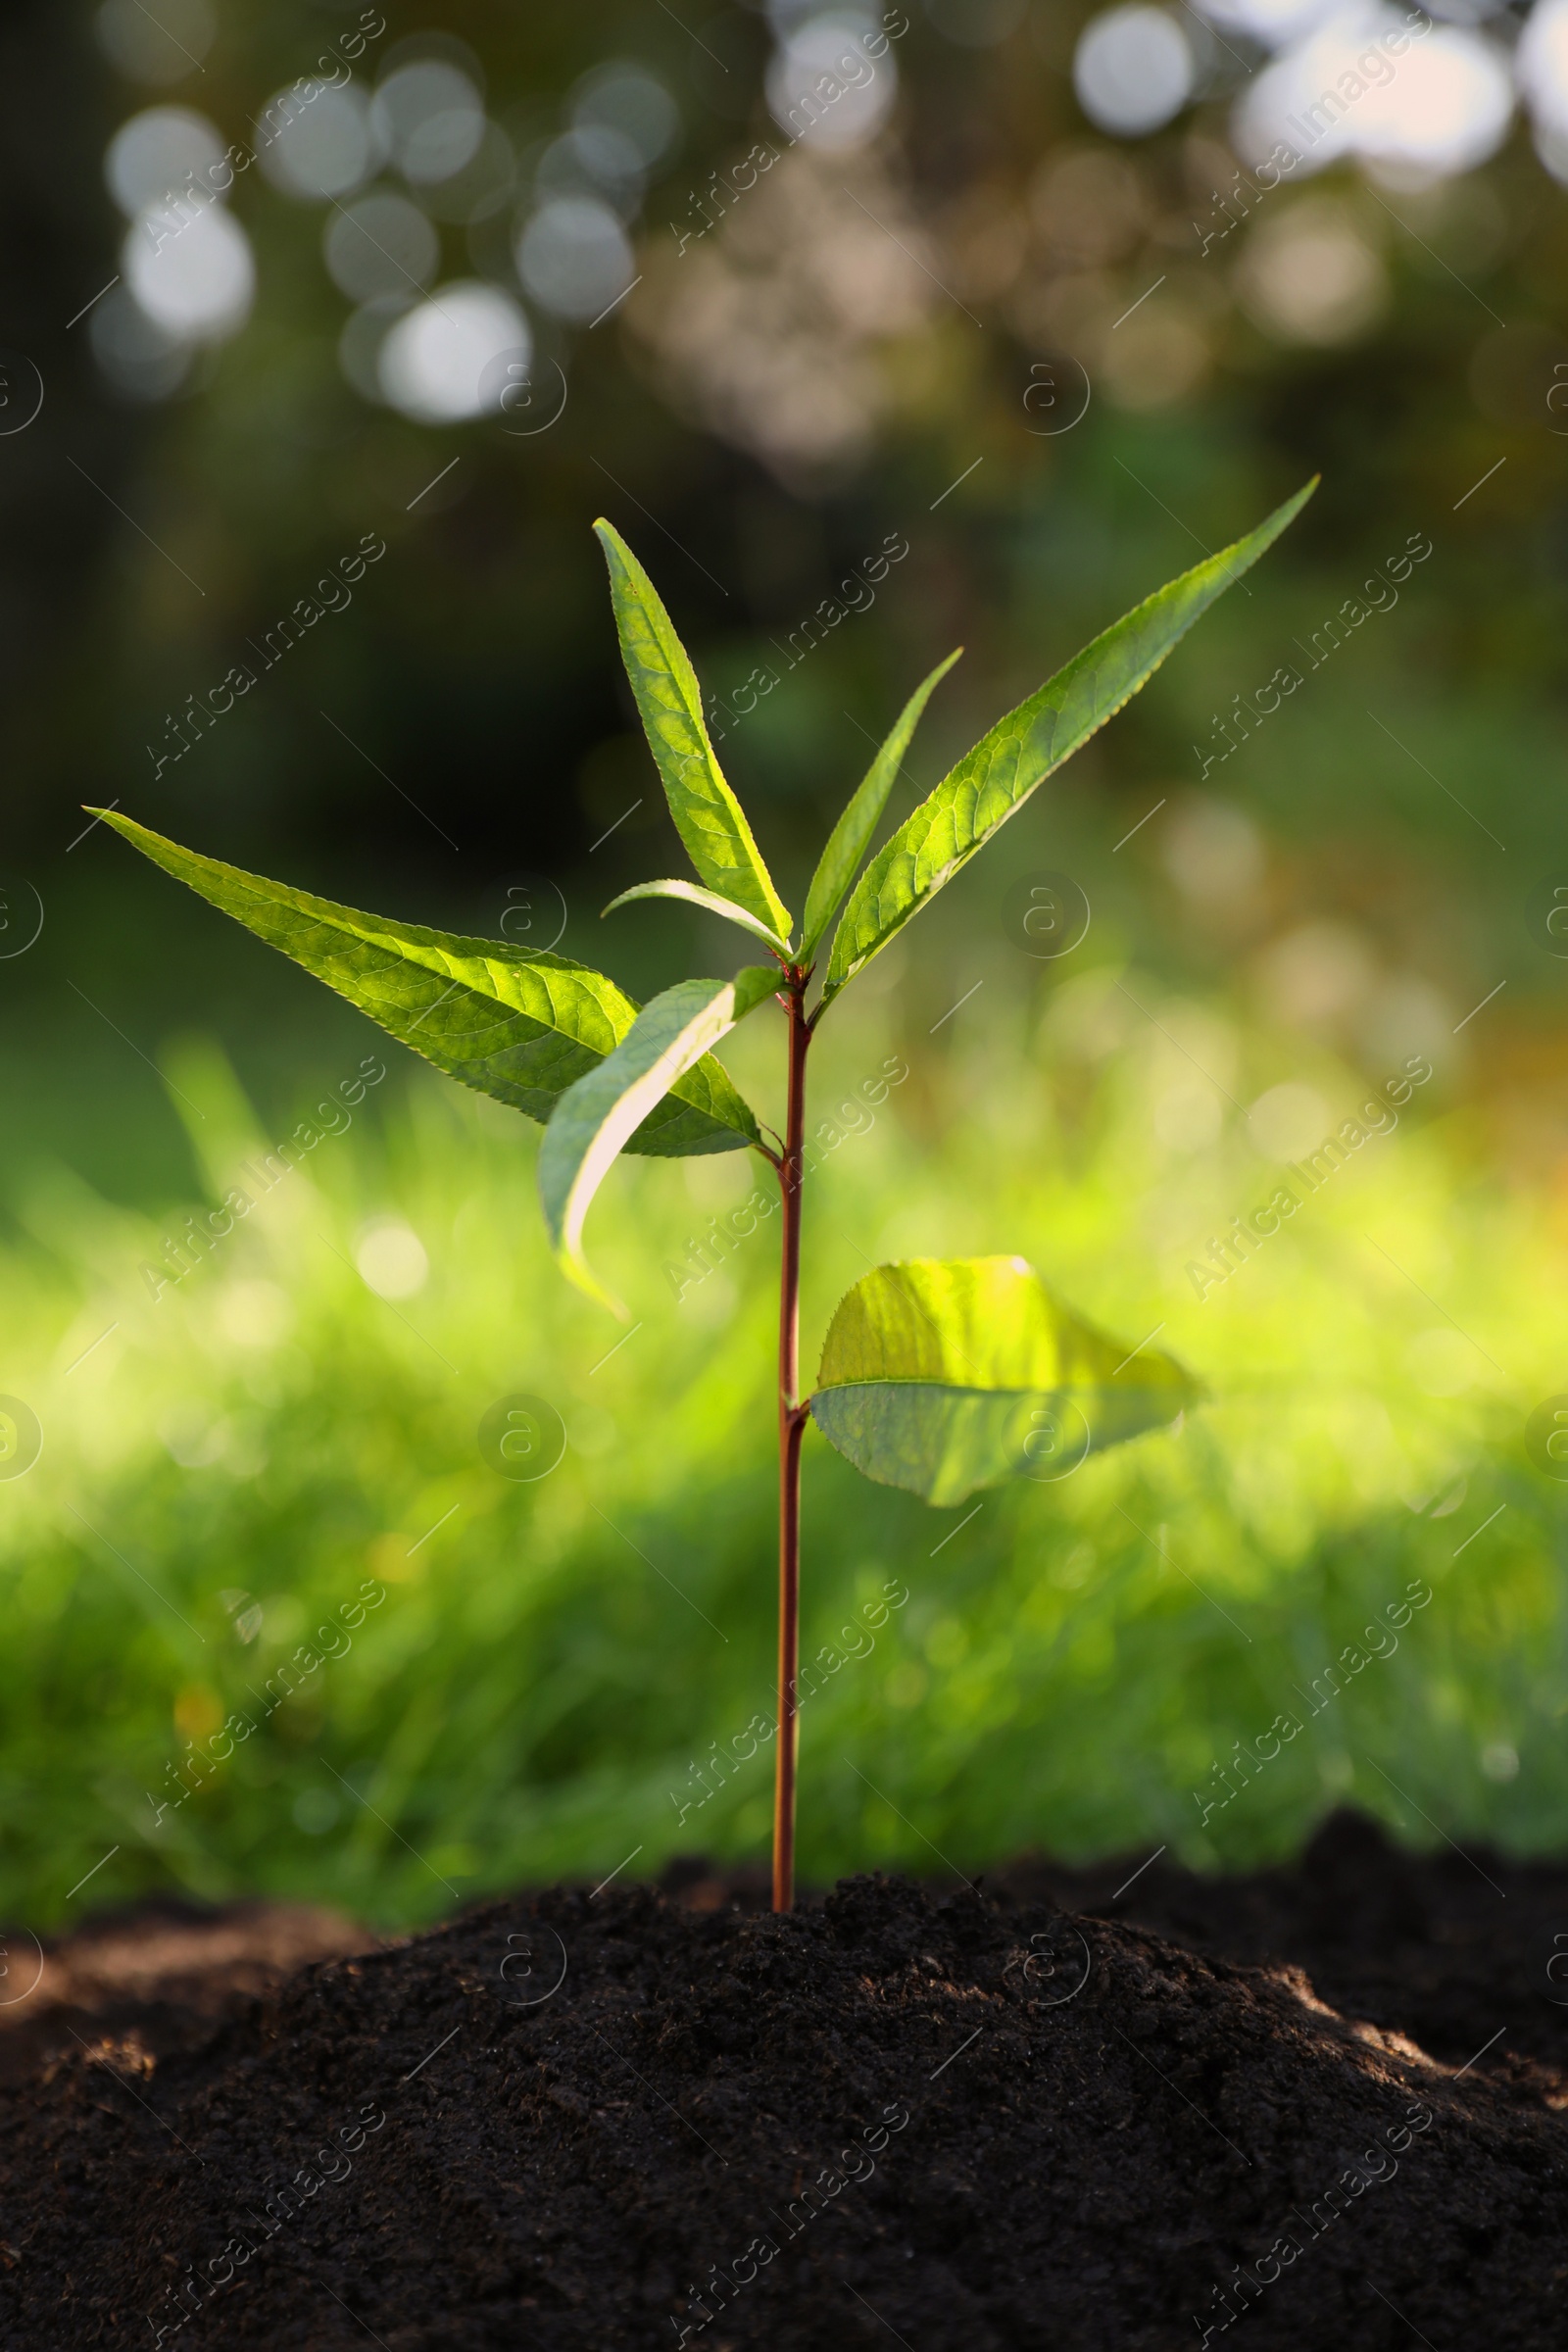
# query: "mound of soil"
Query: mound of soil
{"points": [[601, 2123]]}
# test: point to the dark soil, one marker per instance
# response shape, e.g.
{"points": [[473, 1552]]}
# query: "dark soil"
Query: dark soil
{"points": [[162, 1977], [1325, 2108]]}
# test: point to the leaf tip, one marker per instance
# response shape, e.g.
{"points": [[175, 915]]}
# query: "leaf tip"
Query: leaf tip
{"points": [[576, 1271]]}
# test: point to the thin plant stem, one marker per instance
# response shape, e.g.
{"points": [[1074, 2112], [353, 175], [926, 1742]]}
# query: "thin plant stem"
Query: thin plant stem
{"points": [[791, 1431]]}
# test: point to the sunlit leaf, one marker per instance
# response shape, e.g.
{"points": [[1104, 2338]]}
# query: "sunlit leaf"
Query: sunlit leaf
{"points": [[850, 838], [992, 782], [698, 896], [708, 816], [941, 1375], [520, 1024], [592, 1120]]}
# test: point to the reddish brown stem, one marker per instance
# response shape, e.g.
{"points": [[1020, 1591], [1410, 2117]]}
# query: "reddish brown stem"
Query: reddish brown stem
{"points": [[791, 1431]]}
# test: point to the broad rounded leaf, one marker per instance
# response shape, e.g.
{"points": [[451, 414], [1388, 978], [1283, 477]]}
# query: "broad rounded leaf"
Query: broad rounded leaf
{"points": [[941, 1375], [992, 782], [592, 1119], [708, 816], [521, 1025]]}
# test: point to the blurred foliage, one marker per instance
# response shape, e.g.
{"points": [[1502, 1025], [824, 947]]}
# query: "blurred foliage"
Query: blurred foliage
{"points": [[858, 352], [230, 1461], [849, 373]]}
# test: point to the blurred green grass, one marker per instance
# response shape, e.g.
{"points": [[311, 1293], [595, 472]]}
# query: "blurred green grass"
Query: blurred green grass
{"points": [[551, 1660]]}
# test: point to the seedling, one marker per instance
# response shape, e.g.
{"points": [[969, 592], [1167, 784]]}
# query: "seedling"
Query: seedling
{"points": [[940, 1376]]}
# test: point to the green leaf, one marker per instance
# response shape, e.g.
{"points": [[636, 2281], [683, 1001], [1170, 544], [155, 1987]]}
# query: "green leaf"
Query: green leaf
{"points": [[708, 816], [941, 1375], [848, 842], [703, 898], [592, 1120], [521, 1025], [993, 780]]}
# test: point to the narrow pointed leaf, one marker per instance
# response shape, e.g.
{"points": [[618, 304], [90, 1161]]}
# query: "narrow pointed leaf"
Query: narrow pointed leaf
{"points": [[992, 782], [941, 1375], [520, 1024], [708, 816], [592, 1119], [851, 837], [694, 891]]}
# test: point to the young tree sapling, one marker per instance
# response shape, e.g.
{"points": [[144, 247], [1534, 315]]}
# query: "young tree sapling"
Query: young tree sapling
{"points": [[939, 1376]]}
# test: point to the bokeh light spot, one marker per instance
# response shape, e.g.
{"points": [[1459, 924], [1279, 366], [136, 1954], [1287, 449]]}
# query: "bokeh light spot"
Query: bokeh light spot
{"points": [[574, 257], [825, 89], [625, 98], [154, 156], [432, 119], [433, 359], [381, 245], [391, 1258], [319, 142], [191, 272], [1133, 70]]}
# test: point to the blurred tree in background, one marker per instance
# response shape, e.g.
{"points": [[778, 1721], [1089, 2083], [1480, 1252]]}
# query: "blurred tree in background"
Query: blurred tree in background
{"points": [[833, 317]]}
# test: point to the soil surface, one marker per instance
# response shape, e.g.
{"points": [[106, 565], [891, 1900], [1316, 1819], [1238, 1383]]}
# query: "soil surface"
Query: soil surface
{"points": [[1322, 2107]]}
